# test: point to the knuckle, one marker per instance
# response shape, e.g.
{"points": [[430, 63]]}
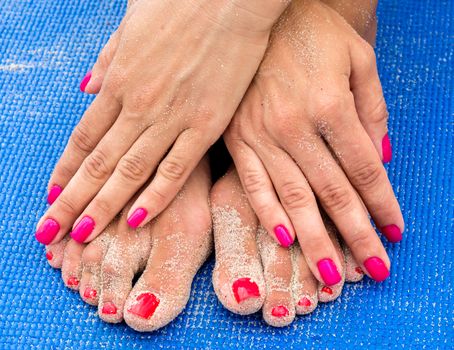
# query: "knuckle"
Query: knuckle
{"points": [[335, 197], [132, 167], [379, 114], [295, 196], [172, 169], [366, 55], [359, 240], [284, 121], [67, 207], [101, 207], [253, 181], [80, 138], [367, 175], [95, 165]]}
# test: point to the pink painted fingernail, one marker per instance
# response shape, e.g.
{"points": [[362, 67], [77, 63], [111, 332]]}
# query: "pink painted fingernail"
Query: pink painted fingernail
{"points": [[54, 192], [328, 271], [386, 149], [376, 268], [47, 231], [83, 229], [137, 217], [85, 80], [279, 311], [283, 236], [392, 233]]}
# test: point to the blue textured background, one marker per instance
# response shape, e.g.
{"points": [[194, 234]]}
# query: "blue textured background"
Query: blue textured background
{"points": [[45, 49]]}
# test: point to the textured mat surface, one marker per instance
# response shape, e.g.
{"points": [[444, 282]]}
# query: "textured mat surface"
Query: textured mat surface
{"points": [[47, 46]]}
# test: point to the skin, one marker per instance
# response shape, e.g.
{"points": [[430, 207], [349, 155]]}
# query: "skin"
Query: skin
{"points": [[176, 77]]}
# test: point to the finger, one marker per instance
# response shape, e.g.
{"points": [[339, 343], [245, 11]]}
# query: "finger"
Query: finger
{"points": [[171, 175], [363, 168], [369, 100], [299, 203], [260, 192]]}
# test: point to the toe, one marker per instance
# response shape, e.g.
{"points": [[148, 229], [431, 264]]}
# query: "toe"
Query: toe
{"points": [[55, 252], [304, 284], [71, 269], [353, 272]]}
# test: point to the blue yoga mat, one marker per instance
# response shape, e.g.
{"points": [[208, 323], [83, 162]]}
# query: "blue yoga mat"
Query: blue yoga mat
{"points": [[45, 49]]}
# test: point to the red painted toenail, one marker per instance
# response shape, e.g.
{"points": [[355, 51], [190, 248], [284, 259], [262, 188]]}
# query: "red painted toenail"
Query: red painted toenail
{"points": [[90, 293], [109, 308], [145, 306], [244, 288], [279, 311], [305, 301], [327, 290], [49, 256], [72, 281], [359, 270]]}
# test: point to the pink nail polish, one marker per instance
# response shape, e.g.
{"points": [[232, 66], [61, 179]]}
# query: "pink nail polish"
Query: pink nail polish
{"points": [[283, 236], [328, 272], [54, 192], [47, 231], [83, 229], [376, 268], [85, 80], [386, 149], [137, 217], [392, 233]]}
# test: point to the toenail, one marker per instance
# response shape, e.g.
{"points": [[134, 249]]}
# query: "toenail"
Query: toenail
{"points": [[83, 229], [244, 288], [392, 233], [54, 192], [305, 301], [359, 270], [109, 308], [327, 290], [279, 311], [49, 255], [137, 217], [90, 293], [377, 269], [283, 236], [328, 272], [47, 231], [145, 305], [85, 80], [72, 281], [386, 149]]}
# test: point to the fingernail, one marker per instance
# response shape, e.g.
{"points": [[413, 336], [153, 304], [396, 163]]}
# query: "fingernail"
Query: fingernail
{"points": [[83, 229], [145, 306], [328, 271], [376, 268], [283, 236], [327, 290], [279, 311], [137, 217], [305, 301], [72, 281], [54, 192], [47, 231], [244, 288], [392, 233], [90, 293], [359, 270], [386, 149], [49, 255], [85, 80], [109, 308]]}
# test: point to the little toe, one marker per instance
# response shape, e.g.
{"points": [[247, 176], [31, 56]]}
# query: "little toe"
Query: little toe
{"points": [[238, 274], [353, 272], [279, 307], [55, 253], [71, 269]]}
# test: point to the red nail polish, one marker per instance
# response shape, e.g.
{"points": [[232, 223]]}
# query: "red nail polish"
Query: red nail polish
{"points": [[47, 231], [279, 311], [49, 255], [85, 80], [359, 270], [137, 217], [327, 290], [392, 233], [109, 308], [283, 236], [83, 229], [376, 268], [386, 149], [328, 272], [90, 293], [244, 288], [305, 301], [145, 306], [72, 281], [54, 192]]}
